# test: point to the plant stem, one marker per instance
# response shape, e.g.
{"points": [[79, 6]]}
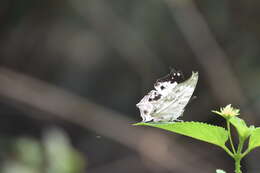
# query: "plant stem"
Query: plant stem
{"points": [[237, 165], [245, 153], [230, 137], [228, 151], [238, 156], [240, 146]]}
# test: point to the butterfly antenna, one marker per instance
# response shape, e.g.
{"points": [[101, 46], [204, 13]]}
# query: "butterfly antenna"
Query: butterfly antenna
{"points": [[172, 69]]}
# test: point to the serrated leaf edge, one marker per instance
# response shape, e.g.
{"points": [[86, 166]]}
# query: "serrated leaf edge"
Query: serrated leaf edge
{"points": [[183, 122]]}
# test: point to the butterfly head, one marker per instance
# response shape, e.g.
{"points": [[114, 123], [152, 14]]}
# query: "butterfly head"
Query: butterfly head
{"points": [[173, 76]]}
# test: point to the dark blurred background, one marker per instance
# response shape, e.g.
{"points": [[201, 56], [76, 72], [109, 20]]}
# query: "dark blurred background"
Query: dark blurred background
{"points": [[72, 71]]}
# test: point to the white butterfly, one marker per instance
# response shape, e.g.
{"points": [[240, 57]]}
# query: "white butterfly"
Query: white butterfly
{"points": [[168, 100]]}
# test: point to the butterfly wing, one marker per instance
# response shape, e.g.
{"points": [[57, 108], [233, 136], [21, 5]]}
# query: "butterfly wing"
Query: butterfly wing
{"points": [[172, 105]]}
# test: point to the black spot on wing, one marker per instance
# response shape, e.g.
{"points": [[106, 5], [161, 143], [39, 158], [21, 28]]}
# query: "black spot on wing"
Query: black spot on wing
{"points": [[162, 87], [157, 97]]}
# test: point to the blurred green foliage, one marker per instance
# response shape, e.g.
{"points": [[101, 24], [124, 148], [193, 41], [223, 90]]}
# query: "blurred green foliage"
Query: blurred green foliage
{"points": [[54, 154]]}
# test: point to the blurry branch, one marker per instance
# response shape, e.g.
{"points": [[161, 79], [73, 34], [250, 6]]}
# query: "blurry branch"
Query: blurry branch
{"points": [[121, 36], [224, 84], [46, 100]]}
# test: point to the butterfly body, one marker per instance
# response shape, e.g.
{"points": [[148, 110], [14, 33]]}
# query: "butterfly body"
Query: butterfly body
{"points": [[169, 98]]}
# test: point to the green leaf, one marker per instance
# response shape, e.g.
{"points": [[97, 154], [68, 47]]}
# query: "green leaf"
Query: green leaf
{"points": [[201, 131], [241, 127], [29, 151], [220, 171], [254, 140]]}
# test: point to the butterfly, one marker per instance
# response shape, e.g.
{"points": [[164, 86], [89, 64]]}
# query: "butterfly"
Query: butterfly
{"points": [[167, 101]]}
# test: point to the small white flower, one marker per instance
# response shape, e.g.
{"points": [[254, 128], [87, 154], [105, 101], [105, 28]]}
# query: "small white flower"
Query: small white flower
{"points": [[227, 112], [168, 100]]}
